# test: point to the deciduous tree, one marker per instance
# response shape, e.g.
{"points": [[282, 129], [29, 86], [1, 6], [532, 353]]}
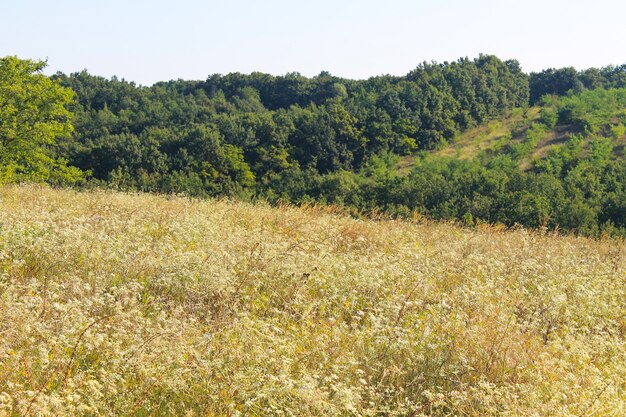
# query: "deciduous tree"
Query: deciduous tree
{"points": [[33, 115]]}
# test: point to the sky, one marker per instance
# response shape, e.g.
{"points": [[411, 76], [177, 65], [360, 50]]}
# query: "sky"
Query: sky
{"points": [[146, 41]]}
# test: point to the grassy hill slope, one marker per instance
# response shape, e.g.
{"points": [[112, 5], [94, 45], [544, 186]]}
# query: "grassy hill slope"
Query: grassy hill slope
{"points": [[512, 129], [505, 133], [491, 135], [122, 304]]}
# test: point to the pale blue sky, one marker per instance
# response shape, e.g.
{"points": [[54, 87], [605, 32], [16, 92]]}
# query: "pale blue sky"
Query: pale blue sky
{"points": [[152, 40]]}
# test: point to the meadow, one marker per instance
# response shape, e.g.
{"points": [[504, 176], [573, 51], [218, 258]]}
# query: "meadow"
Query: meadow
{"points": [[144, 305]]}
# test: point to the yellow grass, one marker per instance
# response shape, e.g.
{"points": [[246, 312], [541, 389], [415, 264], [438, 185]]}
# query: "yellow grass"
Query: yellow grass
{"points": [[119, 304]]}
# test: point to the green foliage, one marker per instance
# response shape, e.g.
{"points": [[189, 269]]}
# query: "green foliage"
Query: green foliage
{"points": [[618, 131], [337, 141], [591, 109], [554, 82], [534, 134], [549, 117], [564, 81], [239, 133], [33, 115]]}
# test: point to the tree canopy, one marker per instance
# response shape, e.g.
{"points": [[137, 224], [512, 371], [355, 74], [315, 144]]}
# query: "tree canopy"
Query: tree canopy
{"points": [[33, 115]]}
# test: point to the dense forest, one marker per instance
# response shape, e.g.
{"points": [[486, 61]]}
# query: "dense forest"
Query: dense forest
{"points": [[368, 145]]}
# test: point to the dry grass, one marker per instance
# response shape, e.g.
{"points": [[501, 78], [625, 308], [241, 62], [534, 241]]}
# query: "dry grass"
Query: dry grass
{"points": [[118, 304], [491, 135]]}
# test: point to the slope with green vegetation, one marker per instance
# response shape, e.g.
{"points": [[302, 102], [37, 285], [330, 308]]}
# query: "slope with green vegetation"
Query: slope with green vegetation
{"points": [[572, 146], [137, 305], [455, 140]]}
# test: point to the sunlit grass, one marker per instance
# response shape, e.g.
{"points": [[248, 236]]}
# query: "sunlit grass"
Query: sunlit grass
{"points": [[493, 135], [120, 304]]}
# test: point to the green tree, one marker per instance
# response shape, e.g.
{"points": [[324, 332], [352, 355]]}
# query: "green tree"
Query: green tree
{"points": [[33, 115]]}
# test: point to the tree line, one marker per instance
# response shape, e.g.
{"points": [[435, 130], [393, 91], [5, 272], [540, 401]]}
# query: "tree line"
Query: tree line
{"points": [[334, 140]]}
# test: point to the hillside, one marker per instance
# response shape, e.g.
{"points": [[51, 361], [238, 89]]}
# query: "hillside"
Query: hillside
{"points": [[477, 141], [135, 304], [430, 144], [588, 115], [559, 164]]}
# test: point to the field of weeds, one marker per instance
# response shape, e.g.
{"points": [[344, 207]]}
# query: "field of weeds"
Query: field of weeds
{"points": [[137, 305]]}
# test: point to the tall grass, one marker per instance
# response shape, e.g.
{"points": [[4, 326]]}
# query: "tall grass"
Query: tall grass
{"points": [[120, 304]]}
